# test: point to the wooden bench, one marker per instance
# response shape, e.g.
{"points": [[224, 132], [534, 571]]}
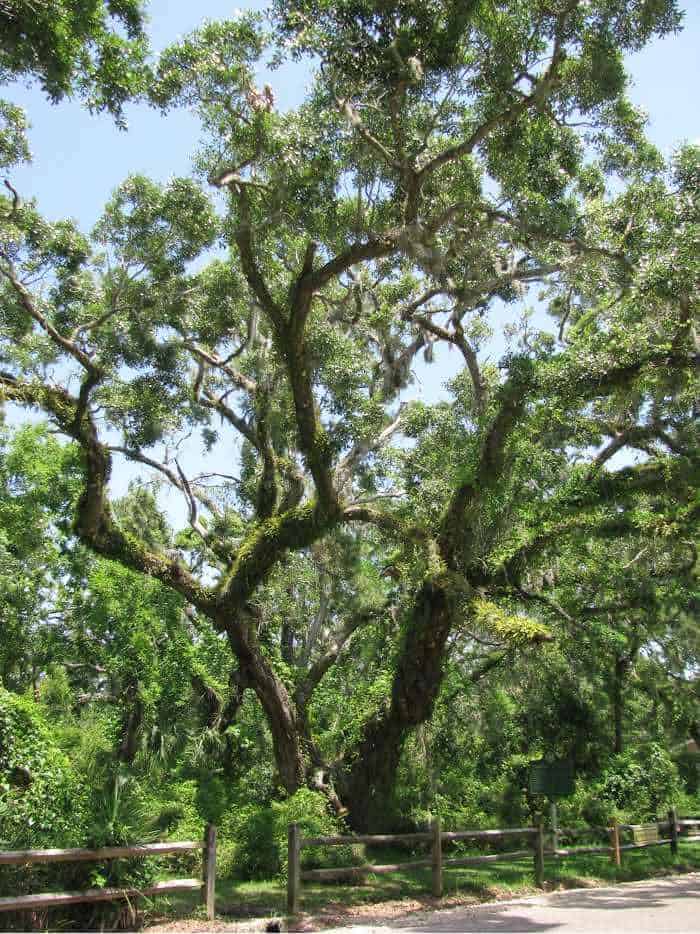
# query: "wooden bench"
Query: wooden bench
{"points": [[645, 833]]}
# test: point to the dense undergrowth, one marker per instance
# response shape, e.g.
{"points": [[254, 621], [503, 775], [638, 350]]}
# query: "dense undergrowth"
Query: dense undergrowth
{"points": [[60, 786]]}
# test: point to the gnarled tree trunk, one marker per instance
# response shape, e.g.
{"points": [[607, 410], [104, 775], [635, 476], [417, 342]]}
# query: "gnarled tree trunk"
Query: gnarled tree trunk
{"points": [[618, 686], [279, 709], [366, 785]]}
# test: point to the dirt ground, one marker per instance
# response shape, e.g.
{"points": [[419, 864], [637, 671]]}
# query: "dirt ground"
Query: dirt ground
{"points": [[335, 915]]}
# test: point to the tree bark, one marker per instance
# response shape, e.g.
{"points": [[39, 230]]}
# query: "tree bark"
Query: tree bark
{"points": [[131, 723], [277, 705], [618, 704], [366, 786]]}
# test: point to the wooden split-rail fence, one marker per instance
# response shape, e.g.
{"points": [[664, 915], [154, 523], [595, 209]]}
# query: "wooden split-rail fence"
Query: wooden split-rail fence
{"points": [[643, 835], [42, 900]]}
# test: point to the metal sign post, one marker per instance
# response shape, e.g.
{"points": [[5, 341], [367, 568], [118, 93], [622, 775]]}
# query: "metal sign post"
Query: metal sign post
{"points": [[555, 780]]}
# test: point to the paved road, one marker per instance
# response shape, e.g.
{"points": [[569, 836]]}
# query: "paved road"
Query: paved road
{"points": [[667, 905]]}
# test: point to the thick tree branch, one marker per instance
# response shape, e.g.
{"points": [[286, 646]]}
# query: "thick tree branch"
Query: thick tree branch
{"points": [[246, 251], [456, 533], [268, 492], [390, 524], [357, 253], [16, 200], [94, 524], [265, 545]]}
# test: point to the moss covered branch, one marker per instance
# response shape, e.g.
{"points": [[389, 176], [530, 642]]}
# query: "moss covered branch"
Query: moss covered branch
{"points": [[93, 522]]}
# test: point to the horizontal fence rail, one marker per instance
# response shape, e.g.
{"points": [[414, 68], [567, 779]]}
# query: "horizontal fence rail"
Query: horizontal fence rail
{"points": [[24, 857], [490, 858], [688, 822], [435, 838], [488, 834], [40, 900], [347, 872], [54, 899], [645, 846], [375, 839], [581, 831], [578, 850]]}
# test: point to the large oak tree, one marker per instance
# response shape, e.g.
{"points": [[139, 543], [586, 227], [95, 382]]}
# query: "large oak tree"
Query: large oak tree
{"points": [[451, 162]]}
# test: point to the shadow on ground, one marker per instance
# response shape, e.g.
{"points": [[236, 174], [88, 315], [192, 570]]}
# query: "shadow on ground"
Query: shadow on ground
{"points": [[575, 911]]}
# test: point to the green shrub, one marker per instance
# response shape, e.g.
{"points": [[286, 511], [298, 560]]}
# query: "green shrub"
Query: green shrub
{"points": [[42, 800], [688, 805], [44, 803], [261, 836], [256, 853], [689, 769], [637, 785], [643, 782], [586, 807]]}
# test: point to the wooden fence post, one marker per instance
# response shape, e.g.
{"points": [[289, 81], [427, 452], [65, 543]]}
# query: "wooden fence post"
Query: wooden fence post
{"points": [[293, 869], [539, 854], [437, 857], [614, 841], [209, 871], [554, 817], [673, 827]]}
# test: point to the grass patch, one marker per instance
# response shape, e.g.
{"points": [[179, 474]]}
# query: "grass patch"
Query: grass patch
{"points": [[267, 898], [642, 864]]}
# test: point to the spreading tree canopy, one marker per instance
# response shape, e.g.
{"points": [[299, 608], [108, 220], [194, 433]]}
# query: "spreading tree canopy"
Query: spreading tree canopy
{"points": [[95, 49], [464, 177]]}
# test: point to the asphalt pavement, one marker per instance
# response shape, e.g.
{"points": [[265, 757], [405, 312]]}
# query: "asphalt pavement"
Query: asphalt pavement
{"points": [[662, 905]]}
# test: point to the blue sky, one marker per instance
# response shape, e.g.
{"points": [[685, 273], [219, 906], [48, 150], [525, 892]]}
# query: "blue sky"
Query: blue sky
{"points": [[79, 158]]}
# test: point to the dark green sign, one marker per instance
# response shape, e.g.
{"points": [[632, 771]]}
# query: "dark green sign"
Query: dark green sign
{"points": [[554, 779]]}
